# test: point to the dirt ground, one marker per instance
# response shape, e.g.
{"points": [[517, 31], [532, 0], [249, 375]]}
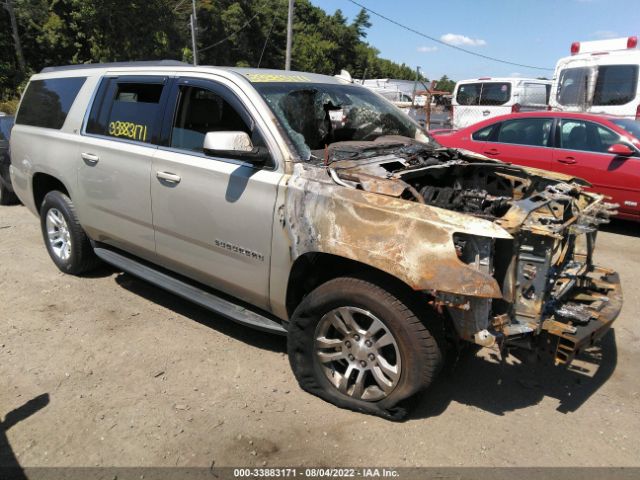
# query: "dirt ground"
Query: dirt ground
{"points": [[110, 371]]}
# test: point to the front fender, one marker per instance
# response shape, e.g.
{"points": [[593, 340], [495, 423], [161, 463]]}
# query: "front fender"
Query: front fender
{"points": [[411, 241]]}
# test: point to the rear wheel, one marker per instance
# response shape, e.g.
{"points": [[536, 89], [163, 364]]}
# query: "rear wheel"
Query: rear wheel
{"points": [[66, 242], [361, 347]]}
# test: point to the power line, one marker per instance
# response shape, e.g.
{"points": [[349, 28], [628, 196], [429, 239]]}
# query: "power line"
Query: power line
{"points": [[246, 24], [267, 40], [487, 57]]}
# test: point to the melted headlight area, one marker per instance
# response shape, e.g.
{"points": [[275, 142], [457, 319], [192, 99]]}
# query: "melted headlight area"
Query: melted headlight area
{"points": [[542, 266]]}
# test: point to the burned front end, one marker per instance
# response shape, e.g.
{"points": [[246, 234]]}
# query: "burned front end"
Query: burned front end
{"points": [[535, 283]]}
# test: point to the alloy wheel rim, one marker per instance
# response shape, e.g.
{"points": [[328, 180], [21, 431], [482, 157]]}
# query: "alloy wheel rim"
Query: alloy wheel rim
{"points": [[358, 353], [58, 234]]}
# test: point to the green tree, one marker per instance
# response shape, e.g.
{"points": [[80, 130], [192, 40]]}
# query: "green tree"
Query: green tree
{"points": [[445, 84], [231, 32]]}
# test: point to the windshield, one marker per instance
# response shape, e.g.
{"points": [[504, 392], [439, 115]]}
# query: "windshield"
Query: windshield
{"points": [[631, 126], [572, 86], [315, 115]]}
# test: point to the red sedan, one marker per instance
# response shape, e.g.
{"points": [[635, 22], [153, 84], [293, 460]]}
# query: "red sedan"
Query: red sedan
{"points": [[603, 150]]}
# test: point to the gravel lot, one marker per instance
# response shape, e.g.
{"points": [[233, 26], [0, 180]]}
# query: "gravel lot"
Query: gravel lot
{"points": [[110, 371]]}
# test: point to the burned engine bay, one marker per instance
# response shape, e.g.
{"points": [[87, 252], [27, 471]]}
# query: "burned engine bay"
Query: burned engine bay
{"points": [[449, 179], [545, 271]]}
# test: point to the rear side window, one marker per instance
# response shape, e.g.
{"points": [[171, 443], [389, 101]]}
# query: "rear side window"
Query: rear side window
{"points": [[46, 103], [616, 84], [526, 131], [127, 108], [535, 94]]}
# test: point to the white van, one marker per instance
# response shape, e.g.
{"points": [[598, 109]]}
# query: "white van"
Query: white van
{"points": [[599, 77], [481, 98]]}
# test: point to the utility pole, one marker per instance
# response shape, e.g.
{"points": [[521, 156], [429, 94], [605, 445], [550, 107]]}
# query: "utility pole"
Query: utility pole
{"points": [[8, 5], [287, 61], [194, 32]]}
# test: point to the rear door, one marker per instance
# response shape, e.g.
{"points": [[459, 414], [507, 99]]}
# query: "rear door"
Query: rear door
{"points": [[114, 161], [523, 141], [213, 215], [479, 101], [581, 151]]}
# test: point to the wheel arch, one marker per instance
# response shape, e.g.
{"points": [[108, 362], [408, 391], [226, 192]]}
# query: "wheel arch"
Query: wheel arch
{"points": [[43, 183], [312, 269]]}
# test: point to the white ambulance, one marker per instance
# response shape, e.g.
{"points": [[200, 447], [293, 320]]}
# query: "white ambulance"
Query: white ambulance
{"points": [[600, 76], [481, 98]]}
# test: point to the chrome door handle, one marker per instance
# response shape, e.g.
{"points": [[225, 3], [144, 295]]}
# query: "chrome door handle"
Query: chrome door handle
{"points": [[168, 177], [90, 158], [567, 160]]}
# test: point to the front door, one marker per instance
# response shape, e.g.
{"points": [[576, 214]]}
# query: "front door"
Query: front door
{"points": [[213, 216], [582, 152]]}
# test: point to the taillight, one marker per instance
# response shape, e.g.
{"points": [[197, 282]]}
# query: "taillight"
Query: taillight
{"points": [[515, 108], [638, 112], [632, 42], [575, 48]]}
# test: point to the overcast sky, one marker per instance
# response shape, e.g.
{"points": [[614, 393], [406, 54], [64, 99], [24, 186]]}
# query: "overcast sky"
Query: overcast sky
{"points": [[532, 32]]}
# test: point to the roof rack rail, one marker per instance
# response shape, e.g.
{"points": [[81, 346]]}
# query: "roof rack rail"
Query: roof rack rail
{"points": [[146, 63]]}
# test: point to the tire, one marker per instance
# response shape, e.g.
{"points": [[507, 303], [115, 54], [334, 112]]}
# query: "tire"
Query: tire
{"points": [[66, 242], [7, 197], [386, 374]]}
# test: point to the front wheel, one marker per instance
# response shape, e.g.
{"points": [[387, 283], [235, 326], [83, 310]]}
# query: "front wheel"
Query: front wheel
{"points": [[361, 347], [66, 242]]}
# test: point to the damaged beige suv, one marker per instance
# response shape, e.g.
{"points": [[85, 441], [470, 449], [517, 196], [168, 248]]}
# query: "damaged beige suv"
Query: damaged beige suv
{"points": [[304, 205]]}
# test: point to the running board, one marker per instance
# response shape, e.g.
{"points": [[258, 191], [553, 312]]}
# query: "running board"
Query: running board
{"points": [[201, 297]]}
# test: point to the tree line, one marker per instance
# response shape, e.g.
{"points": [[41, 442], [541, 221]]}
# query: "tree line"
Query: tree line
{"points": [[241, 33]]}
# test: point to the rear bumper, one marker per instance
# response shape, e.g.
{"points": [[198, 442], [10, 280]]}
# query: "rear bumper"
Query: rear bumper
{"points": [[585, 315]]}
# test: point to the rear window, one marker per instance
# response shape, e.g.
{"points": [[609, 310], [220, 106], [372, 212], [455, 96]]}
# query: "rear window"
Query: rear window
{"points": [[615, 84], [46, 103], [128, 109], [495, 93], [469, 94], [487, 94]]}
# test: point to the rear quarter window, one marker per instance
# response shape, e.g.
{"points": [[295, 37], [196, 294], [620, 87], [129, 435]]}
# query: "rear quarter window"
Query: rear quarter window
{"points": [[46, 103]]}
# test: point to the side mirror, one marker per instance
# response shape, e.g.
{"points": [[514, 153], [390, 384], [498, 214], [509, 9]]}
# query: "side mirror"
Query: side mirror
{"points": [[235, 145], [620, 149]]}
